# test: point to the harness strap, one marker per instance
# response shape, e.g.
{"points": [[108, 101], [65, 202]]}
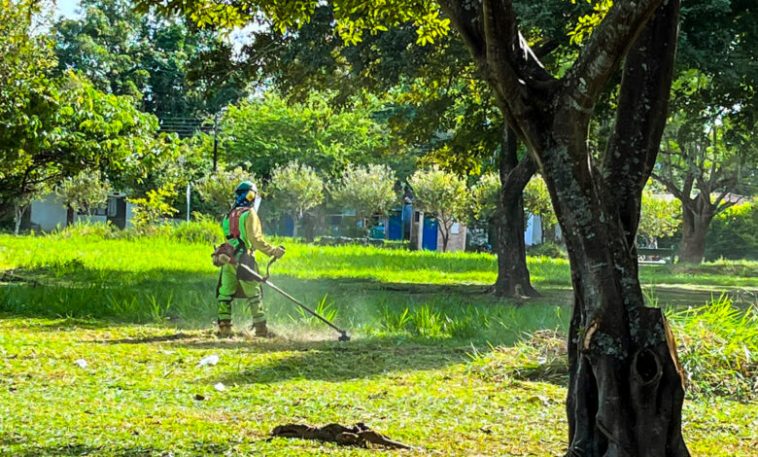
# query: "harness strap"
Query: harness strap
{"points": [[234, 227]]}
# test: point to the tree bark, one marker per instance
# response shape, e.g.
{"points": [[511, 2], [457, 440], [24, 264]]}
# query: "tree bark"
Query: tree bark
{"points": [[512, 272], [69, 216], [444, 229], [694, 231]]}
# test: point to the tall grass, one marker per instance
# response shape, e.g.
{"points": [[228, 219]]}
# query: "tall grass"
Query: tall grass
{"points": [[718, 347], [96, 272]]}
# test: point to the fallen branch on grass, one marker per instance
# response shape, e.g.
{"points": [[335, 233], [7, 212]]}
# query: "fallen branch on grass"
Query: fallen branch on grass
{"points": [[357, 435]]}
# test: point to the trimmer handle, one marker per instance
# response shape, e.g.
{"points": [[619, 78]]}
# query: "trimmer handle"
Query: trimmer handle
{"points": [[268, 266]]}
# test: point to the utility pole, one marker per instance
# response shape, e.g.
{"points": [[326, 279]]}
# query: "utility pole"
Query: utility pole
{"points": [[215, 142]]}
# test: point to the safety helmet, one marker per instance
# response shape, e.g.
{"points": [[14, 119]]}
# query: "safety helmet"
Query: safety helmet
{"points": [[246, 190]]}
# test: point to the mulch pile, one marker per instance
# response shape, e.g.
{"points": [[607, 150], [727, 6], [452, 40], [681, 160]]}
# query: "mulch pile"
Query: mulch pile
{"points": [[357, 435]]}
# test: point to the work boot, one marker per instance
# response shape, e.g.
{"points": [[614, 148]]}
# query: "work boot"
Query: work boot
{"points": [[262, 331], [224, 329]]}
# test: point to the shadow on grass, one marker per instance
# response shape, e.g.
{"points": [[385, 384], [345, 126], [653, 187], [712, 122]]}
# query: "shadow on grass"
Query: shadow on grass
{"points": [[82, 449], [152, 339], [335, 362]]}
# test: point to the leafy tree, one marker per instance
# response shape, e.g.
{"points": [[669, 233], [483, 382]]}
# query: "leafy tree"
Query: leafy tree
{"points": [[708, 153], [484, 196], [25, 104], [217, 189], [734, 234], [269, 132], [56, 126], [366, 189], [295, 188], [150, 209], [659, 217], [537, 202], [704, 169], [83, 192], [179, 73], [441, 194], [625, 390]]}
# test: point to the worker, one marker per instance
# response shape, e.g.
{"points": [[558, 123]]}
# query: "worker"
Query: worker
{"points": [[243, 232]]}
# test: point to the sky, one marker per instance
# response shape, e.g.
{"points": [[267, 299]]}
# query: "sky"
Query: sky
{"points": [[66, 8]]}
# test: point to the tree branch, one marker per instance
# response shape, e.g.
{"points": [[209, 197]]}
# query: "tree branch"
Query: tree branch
{"points": [[490, 31], [605, 49], [668, 184], [641, 113]]}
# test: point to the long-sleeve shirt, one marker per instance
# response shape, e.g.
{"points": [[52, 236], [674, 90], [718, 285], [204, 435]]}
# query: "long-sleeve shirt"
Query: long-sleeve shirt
{"points": [[251, 232]]}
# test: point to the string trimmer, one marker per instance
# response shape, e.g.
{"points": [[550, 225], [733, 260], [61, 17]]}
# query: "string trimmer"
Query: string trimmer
{"points": [[264, 279]]}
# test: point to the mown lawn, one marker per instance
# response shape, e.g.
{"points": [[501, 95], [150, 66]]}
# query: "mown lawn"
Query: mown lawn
{"points": [[435, 362]]}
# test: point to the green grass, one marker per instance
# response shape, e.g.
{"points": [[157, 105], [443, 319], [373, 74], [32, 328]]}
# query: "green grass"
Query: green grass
{"points": [[435, 361]]}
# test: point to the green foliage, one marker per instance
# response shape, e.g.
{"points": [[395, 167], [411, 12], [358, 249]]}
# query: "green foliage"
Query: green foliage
{"points": [[295, 188], [660, 217], [718, 341], [178, 72], [484, 197], [217, 189], [548, 249], [84, 229], [352, 19], [151, 209], [734, 233], [84, 192], [443, 195], [201, 231], [537, 201], [587, 23], [269, 132], [367, 190]]}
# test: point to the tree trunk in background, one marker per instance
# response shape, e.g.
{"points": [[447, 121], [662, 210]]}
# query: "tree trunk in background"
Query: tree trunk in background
{"points": [[309, 227], [694, 231], [444, 233], [19, 212], [69, 216], [512, 272]]}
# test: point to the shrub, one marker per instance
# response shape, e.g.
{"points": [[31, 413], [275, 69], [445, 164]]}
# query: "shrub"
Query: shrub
{"points": [[151, 209], [202, 231], [87, 229], [547, 250], [716, 346], [734, 233]]}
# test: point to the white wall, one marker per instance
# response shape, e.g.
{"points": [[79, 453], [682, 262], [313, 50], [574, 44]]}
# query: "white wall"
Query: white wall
{"points": [[129, 207], [533, 232], [48, 213]]}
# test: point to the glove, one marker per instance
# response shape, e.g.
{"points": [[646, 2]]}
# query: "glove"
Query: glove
{"points": [[278, 252]]}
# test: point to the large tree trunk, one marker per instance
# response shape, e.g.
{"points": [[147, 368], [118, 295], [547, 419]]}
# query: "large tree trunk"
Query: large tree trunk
{"points": [[512, 273], [626, 387], [694, 231]]}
